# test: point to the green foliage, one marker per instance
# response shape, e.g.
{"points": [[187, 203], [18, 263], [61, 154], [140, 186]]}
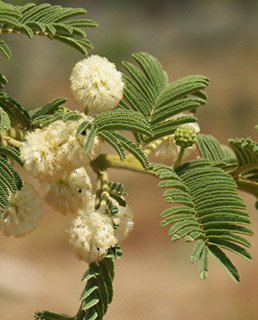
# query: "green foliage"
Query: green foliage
{"points": [[48, 315], [49, 108], [95, 297], [207, 209], [246, 151], [17, 114], [105, 125], [11, 153], [98, 292], [53, 111], [120, 119], [150, 93], [241, 161], [47, 20], [218, 154]]}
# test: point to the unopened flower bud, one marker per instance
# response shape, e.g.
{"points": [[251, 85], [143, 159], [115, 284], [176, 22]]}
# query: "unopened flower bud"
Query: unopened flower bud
{"points": [[185, 136]]}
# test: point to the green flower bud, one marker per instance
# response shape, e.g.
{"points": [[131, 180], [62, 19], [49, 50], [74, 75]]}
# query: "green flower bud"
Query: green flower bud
{"points": [[185, 136]]}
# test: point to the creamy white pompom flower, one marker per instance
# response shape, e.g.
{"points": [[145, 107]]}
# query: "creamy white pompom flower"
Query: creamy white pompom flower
{"points": [[123, 221], [96, 84], [50, 153], [70, 194], [24, 213], [91, 234]]}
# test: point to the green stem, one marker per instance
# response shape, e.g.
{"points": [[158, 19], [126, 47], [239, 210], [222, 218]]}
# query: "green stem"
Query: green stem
{"points": [[248, 186], [104, 161], [179, 158], [244, 169], [13, 31]]}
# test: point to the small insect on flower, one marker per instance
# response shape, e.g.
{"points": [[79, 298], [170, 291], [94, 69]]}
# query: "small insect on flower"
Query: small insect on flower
{"points": [[96, 84]]}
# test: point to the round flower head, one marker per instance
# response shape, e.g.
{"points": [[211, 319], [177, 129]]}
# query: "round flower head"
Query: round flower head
{"points": [[24, 213], [71, 193], [37, 155], [91, 234], [50, 153], [123, 220], [96, 84]]}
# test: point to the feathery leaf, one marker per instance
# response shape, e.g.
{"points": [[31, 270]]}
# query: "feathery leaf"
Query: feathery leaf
{"points": [[150, 93], [47, 20], [207, 209]]}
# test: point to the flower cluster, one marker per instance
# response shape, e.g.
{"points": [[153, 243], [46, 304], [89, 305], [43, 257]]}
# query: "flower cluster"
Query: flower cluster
{"points": [[50, 153], [55, 156]]}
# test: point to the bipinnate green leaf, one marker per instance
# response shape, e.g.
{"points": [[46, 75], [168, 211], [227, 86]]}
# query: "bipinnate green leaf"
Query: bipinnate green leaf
{"points": [[52, 21], [149, 92], [206, 208]]}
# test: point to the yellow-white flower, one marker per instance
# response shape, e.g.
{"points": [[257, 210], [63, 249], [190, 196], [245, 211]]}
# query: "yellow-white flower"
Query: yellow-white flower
{"points": [[50, 153], [91, 234], [123, 220], [38, 156], [24, 213], [96, 84], [71, 193]]}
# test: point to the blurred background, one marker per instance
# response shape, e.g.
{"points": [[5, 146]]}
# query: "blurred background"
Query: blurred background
{"points": [[155, 279]]}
